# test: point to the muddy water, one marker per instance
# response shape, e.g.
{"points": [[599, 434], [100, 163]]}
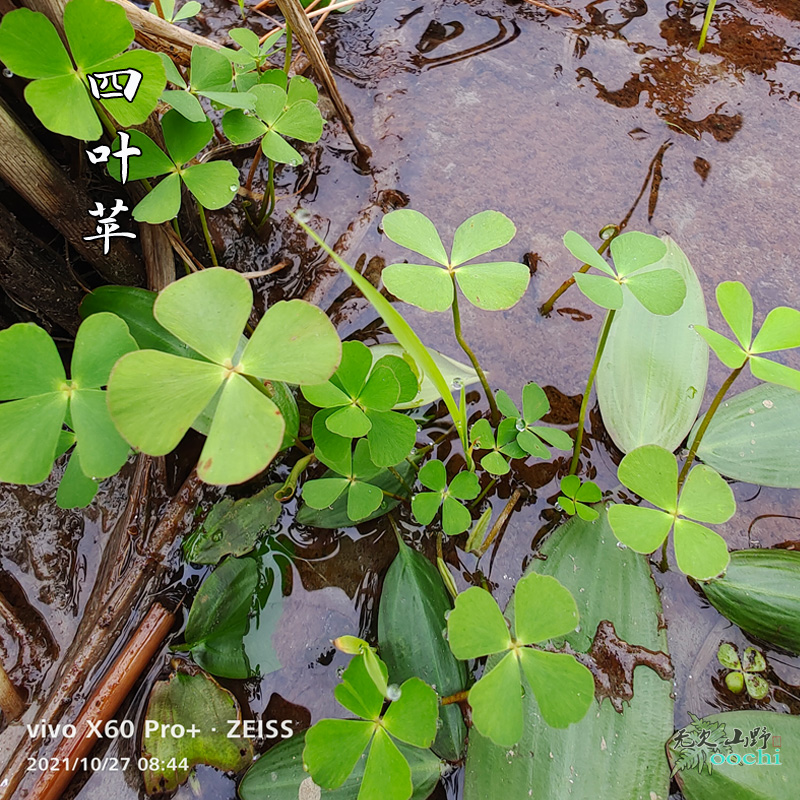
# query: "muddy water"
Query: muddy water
{"points": [[554, 120]]}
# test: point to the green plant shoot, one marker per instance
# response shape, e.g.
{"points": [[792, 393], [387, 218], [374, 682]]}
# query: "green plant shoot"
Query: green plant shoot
{"points": [[425, 505], [529, 435], [576, 496]]}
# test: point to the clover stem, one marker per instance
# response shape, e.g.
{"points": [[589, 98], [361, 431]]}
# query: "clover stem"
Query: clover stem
{"points": [[207, 234], [468, 350], [402, 482], [601, 346], [501, 521], [256, 160], [706, 23], [287, 62], [483, 494], [712, 409], [458, 697], [268, 201], [159, 9], [548, 306]]}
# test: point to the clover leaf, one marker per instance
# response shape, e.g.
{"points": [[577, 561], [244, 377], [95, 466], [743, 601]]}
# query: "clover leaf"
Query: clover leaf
{"points": [[490, 286], [214, 183], [744, 673], [660, 291], [358, 401], [652, 473], [155, 397], [780, 331], [576, 495], [210, 76], [482, 438], [186, 11], [253, 56], [455, 516], [97, 32], [543, 609], [334, 746], [529, 436], [40, 400], [278, 113]]}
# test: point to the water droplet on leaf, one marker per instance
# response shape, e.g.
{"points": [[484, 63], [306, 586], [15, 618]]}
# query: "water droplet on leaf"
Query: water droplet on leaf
{"points": [[393, 692]]}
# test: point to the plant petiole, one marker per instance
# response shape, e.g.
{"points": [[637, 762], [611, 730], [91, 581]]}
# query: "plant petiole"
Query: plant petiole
{"points": [[207, 234]]}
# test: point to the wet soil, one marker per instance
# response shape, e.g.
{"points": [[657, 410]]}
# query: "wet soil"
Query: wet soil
{"points": [[556, 121]]}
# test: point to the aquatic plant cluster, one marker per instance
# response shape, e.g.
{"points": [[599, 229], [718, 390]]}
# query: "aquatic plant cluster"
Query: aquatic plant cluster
{"points": [[451, 677]]}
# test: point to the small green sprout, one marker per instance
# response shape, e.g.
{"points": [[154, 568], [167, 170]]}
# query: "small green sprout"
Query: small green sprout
{"points": [[575, 497], [213, 184], [425, 505], [252, 58], [174, 14], [744, 673], [652, 473], [500, 448], [358, 401], [334, 746], [563, 687], [780, 331], [529, 435], [660, 291], [490, 286]]}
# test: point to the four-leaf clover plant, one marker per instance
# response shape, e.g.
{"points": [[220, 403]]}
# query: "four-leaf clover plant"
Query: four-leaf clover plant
{"points": [[280, 111], [334, 746], [358, 401], [482, 437], [563, 687], [660, 291], [780, 331], [652, 473], [60, 93], [214, 183], [155, 397], [425, 505], [40, 400], [490, 286], [744, 674], [530, 435], [575, 497]]}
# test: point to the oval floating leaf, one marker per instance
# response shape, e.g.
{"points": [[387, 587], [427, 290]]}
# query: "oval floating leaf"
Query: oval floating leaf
{"points": [[652, 376], [754, 437], [607, 754], [411, 623], [761, 594]]}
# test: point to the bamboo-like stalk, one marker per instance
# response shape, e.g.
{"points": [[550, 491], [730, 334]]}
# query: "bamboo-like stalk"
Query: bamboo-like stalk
{"points": [[104, 702]]}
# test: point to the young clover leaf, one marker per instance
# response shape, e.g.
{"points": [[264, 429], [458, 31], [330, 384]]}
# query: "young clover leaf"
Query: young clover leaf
{"points": [[780, 331], [278, 113], [543, 609], [214, 183], [575, 496], [186, 11], [744, 673], [334, 746], [529, 436], [353, 473], [210, 76], [482, 438], [490, 286], [97, 32], [253, 56], [652, 473], [455, 516], [155, 397], [660, 291], [40, 400], [358, 401]]}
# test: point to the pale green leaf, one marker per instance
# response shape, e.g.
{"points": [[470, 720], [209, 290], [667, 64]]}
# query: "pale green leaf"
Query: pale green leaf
{"points": [[585, 253], [495, 286], [96, 31], [481, 233], [433, 475], [75, 490], [350, 422], [706, 497], [274, 146], [412, 717], [185, 103], [29, 362], [780, 331], [422, 285], [651, 472], [242, 128], [301, 88], [387, 774], [102, 339], [210, 69], [465, 486], [660, 291], [455, 517], [415, 231], [63, 106], [322, 493], [604, 292], [424, 506], [634, 250], [214, 184], [499, 689], [185, 139], [728, 352], [736, 305], [699, 551], [150, 163], [302, 121], [333, 746], [162, 204], [780, 374], [543, 609], [381, 391], [476, 626], [391, 437], [362, 500], [641, 529], [135, 112], [359, 692], [21, 29], [102, 450]]}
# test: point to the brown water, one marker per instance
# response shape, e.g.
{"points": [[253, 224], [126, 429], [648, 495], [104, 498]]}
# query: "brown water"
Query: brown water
{"points": [[555, 121]]}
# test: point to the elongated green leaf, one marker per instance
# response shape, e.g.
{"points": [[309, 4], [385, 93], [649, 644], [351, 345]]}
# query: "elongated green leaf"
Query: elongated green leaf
{"points": [[727, 351], [606, 754], [652, 376], [218, 619], [411, 624], [279, 774], [774, 777], [760, 593], [402, 332], [199, 703], [753, 437]]}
